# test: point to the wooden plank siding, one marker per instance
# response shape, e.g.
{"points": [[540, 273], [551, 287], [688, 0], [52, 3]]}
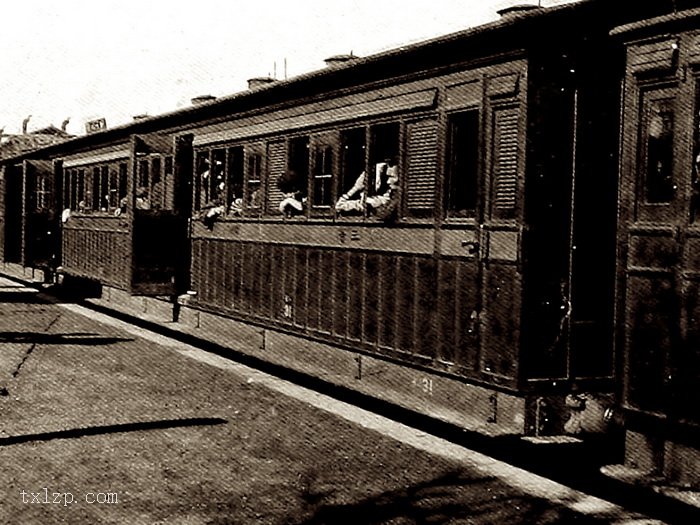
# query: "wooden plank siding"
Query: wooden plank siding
{"points": [[411, 307]]}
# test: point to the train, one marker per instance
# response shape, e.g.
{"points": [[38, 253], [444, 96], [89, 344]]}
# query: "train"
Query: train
{"points": [[497, 227]]}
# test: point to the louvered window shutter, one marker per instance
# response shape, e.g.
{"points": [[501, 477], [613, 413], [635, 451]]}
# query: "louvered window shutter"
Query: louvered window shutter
{"points": [[422, 164], [277, 164], [505, 162]]}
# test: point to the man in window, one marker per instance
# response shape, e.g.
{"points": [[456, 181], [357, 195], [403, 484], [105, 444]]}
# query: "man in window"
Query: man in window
{"points": [[382, 200], [292, 186]]}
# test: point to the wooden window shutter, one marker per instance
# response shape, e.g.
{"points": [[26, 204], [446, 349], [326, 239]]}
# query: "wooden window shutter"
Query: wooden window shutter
{"points": [[505, 161], [277, 164], [422, 164]]}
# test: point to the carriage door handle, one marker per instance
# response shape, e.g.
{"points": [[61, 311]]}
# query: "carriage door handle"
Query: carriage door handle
{"points": [[471, 246]]}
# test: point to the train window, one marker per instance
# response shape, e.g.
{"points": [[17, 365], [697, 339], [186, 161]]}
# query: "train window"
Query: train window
{"points": [[42, 193], [385, 142], [123, 170], [104, 188], [80, 190], [113, 192], [383, 183], [294, 182], [323, 177], [462, 164], [353, 144], [168, 184], [143, 181], [657, 162], [157, 189], [216, 182], [66, 189], [695, 181], [235, 180], [93, 197], [253, 190], [201, 188]]}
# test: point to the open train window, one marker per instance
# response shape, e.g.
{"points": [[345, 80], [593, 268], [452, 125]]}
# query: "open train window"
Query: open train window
{"points": [[353, 147], [657, 150], [104, 188], [123, 171], [80, 191], [235, 180], [202, 175], [217, 184], [462, 164], [67, 177], [293, 183], [383, 177], [385, 142], [93, 201]]}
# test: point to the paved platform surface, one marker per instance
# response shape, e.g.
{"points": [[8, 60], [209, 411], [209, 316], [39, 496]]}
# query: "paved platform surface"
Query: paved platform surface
{"points": [[101, 422]]}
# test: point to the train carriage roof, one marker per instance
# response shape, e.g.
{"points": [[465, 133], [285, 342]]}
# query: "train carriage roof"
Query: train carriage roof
{"points": [[675, 21], [516, 32]]}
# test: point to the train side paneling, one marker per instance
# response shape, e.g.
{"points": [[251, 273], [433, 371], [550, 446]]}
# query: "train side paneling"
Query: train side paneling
{"points": [[96, 243], [659, 242], [408, 290]]}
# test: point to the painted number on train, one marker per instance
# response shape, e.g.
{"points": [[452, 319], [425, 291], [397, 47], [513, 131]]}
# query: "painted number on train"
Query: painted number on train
{"points": [[93, 126], [425, 384]]}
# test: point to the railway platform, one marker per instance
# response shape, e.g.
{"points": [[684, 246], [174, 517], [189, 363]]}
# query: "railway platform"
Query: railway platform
{"points": [[107, 422]]}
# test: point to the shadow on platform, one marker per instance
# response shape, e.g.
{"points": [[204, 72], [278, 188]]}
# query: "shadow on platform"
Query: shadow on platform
{"points": [[76, 433], [77, 338], [455, 497]]}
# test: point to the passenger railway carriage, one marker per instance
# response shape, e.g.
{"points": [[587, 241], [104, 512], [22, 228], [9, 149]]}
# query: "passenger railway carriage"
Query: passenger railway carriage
{"points": [[473, 273], [435, 225], [658, 311]]}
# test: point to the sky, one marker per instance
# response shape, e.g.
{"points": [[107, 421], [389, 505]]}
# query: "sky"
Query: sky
{"points": [[113, 59]]}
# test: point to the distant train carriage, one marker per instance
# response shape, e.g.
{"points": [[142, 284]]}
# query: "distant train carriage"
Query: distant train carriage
{"points": [[659, 247], [29, 222], [449, 205], [120, 223]]}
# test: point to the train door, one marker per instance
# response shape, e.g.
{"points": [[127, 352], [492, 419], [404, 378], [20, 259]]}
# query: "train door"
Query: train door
{"points": [[159, 232], [660, 232], [501, 231], [12, 214], [40, 227], [459, 275]]}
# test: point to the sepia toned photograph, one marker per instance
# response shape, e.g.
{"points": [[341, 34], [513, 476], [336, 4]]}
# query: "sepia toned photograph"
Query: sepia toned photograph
{"points": [[345, 263]]}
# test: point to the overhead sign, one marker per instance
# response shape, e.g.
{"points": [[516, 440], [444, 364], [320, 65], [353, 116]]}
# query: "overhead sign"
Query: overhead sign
{"points": [[93, 126]]}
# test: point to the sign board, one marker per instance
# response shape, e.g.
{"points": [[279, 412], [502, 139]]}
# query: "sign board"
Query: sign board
{"points": [[93, 126]]}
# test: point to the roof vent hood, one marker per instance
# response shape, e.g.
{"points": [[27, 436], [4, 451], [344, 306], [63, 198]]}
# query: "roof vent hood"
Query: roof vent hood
{"points": [[257, 82], [518, 10], [339, 60], [202, 99]]}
